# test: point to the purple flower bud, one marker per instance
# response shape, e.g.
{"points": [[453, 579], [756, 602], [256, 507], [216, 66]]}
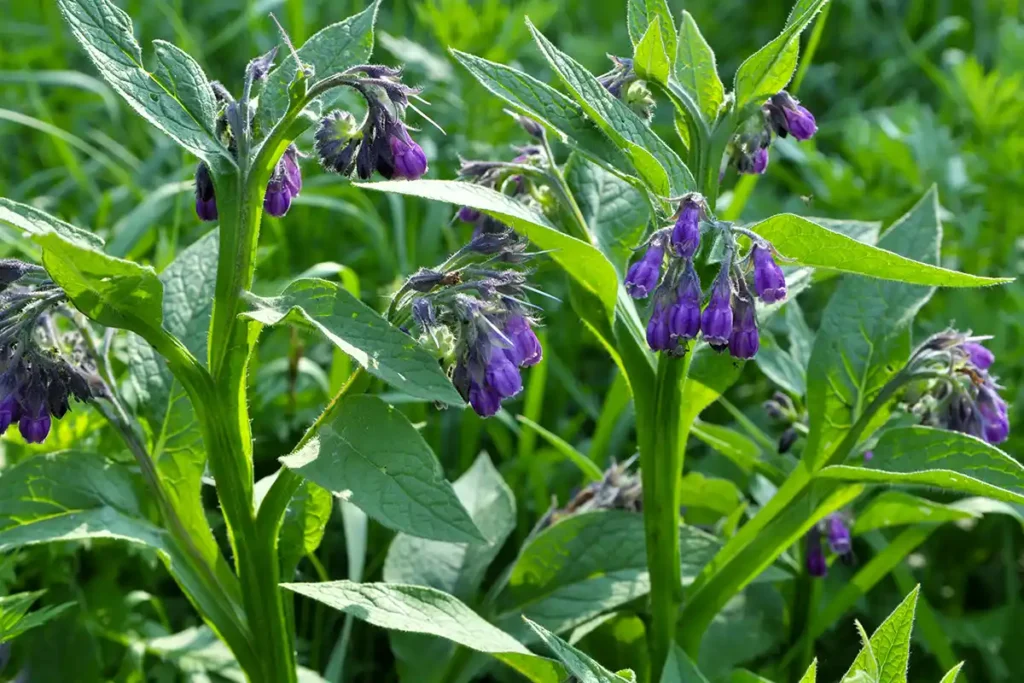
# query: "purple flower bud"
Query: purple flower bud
{"points": [[788, 117], [817, 566], [787, 439], [686, 233], [643, 276], [744, 340], [502, 375], [769, 280], [10, 411], [759, 161], [684, 321], [526, 350], [838, 534], [468, 214], [716, 321], [409, 160], [278, 199], [206, 201], [483, 399], [994, 415], [34, 425], [659, 335], [979, 356], [532, 128], [290, 170], [423, 312]]}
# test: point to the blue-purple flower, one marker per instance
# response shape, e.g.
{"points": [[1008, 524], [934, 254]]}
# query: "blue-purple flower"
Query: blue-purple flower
{"points": [[838, 534], [769, 280], [285, 184], [686, 232], [788, 117], [206, 201], [717, 320], [684, 320], [980, 356], [817, 564], [643, 276], [408, 158], [525, 350], [743, 340], [659, 334]]}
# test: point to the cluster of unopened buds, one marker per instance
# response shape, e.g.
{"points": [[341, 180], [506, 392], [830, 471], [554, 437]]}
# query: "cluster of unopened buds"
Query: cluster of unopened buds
{"points": [[474, 314], [729, 320], [781, 115], [618, 489], [40, 368], [623, 83], [836, 532], [959, 392]]}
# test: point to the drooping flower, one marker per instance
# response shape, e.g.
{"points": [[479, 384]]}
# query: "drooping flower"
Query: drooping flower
{"points": [[686, 232], [744, 340], [502, 373], [409, 160], [838, 534], [278, 198], [684, 320], [980, 356], [788, 117], [659, 336], [817, 565], [717, 320], [994, 415], [206, 201], [643, 276], [468, 214], [769, 280], [525, 350]]}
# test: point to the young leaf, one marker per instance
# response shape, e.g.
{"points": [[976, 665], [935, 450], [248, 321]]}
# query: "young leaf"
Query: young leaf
{"points": [[176, 98], [697, 71], [952, 674], [458, 568], [779, 366], [33, 221], [811, 675], [770, 69], [581, 261], [640, 14], [889, 644], [679, 668], [418, 609], [397, 481], [924, 456], [582, 667], [111, 291], [331, 50], [362, 333], [654, 160], [805, 243], [896, 508], [738, 448], [650, 60]]}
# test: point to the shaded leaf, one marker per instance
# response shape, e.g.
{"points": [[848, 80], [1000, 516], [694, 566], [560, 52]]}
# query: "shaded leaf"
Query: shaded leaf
{"points": [[34, 221], [585, 669], [895, 508]]}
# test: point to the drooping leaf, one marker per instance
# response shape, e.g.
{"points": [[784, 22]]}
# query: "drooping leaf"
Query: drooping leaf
{"points": [[418, 609], [355, 328], [697, 71], [896, 508], [34, 221], [581, 261], [651, 60], [395, 480], [924, 456], [582, 667], [176, 97], [889, 645]]}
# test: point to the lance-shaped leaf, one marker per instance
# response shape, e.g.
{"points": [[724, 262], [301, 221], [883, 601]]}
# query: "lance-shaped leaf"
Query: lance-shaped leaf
{"points": [[811, 675], [896, 508], [33, 221], [889, 646], [697, 71], [355, 328], [651, 60], [654, 160], [924, 456], [330, 51], [582, 667], [176, 97], [397, 480], [581, 261], [15, 618], [640, 14], [418, 609]]}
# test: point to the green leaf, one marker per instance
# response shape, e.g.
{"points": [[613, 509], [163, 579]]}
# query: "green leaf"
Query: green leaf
{"points": [[111, 291], [697, 71], [770, 69], [586, 466], [952, 674], [711, 374], [540, 101], [711, 493], [15, 618], [418, 609], [650, 60], [890, 645], [896, 508], [582, 667], [581, 261], [304, 521], [679, 668], [640, 14], [811, 675], [176, 97], [864, 336], [739, 448], [924, 456], [805, 243], [329, 51], [615, 212], [358, 330], [654, 160], [33, 221], [458, 568], [779, 366], [397, 481]]}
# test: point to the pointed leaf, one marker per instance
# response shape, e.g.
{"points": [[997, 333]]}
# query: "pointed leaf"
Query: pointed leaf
{"points": [[651, 61], [952, 674], [15, 618], [697, 71], [896, 508], [34, 221], [640, 14], [585, 669], [890, 645], [811, 676]]}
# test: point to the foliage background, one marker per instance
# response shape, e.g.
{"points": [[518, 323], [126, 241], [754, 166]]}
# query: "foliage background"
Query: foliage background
{"points": [[908, 94]]}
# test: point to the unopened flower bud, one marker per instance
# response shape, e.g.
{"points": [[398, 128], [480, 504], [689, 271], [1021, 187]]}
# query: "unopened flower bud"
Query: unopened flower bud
{"points": [[684, 321], [643, 276], [817, 565], [787, 440], [409, 160], [769, 280], [532, 128], [744, 340], [686, 232], [425, 279], [788, 117], [468, 214], [659, 334], [206, 202], [838, 534], [717, 320]]}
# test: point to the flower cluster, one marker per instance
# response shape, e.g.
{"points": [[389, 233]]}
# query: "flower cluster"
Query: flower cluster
{"points": [[781, 115], [729, 320], [473, 312], [958, 390], [623, 83], [37, 375], [382, 142], [618, 489], [836, 532]]}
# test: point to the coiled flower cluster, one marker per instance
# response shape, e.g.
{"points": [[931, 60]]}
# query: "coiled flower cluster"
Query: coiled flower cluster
{"points": [[624, 84], [781, 115], [474, 314], [730, 319]]}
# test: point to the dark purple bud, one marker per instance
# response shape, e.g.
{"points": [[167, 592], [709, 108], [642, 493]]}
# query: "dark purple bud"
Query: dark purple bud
{"points": [[278, 199], [795, 119], [366, 159], [684, 321], [335, 143], [532, 128], [686, 233], [659, 334], [526, 350], [769, 280], [425, 279], [502, 375], [11, 270], [817, 566], [979, 356], [759, 161], [468, 214], [259, 67], [206, 201], [57, 399], [35, 425], [962, 415], [994, 415], [787, 439], [716, 321], [744, 340], [290, 170], [483, 399], [838, 534], [643, 276], [409, 160], [423, 313], [10, 412]]}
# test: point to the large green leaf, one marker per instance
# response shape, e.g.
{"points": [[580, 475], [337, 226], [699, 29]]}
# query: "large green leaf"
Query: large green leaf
{"points": [[355, 328], [583, 668], [864, 336], [34, 221], [889, 646], [111, 291], [548, 106], [697, 71], [805, 243], [654, 160], [396, 480], [418, 609], [581, 261], [896, 508], [176, 97], [458, 568], [924, 456], [331, 50], [651, 60]]}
